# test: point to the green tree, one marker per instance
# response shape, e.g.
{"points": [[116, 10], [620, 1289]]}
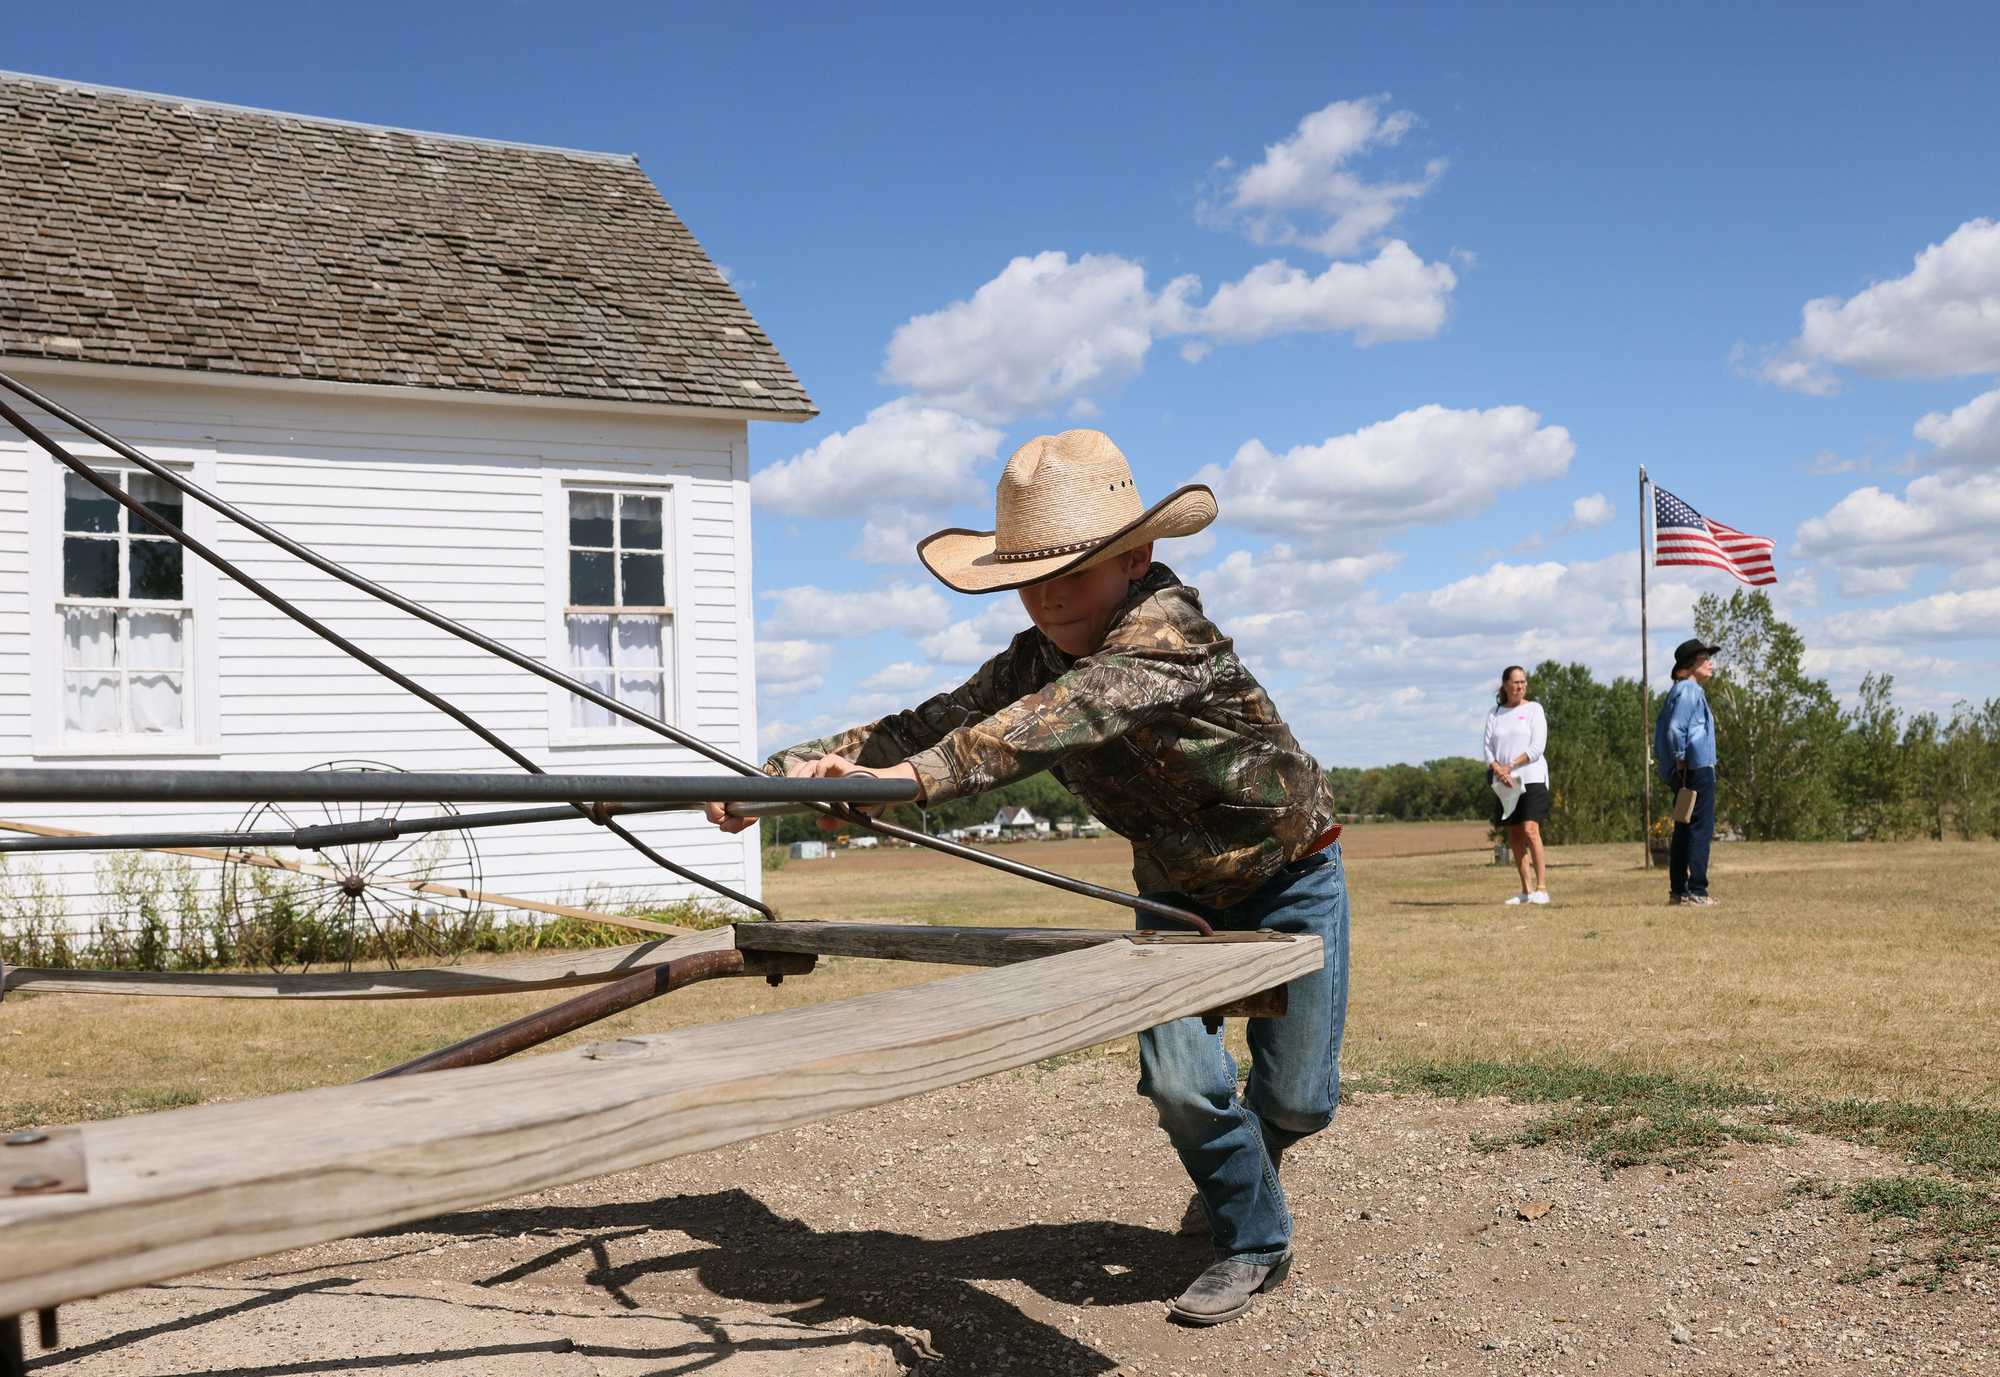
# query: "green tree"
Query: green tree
{"points": [[1969, 769], [1922, 749], [1877, 783], [1779, 731], [1596, 753]]}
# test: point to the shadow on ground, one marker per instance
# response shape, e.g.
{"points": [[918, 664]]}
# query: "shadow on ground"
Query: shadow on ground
{"points": [[747, 1252]]}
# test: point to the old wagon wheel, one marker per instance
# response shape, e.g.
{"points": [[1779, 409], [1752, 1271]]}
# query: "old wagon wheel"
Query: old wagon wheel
{"points": [[288, 909]]}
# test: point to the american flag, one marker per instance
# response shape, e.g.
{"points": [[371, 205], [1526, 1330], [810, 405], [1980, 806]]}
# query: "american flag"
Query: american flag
{"points": [[1682, 535]]}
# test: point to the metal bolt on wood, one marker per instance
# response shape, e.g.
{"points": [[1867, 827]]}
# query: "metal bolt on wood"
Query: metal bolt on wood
{"points": [[27, 1137], [36, 1182]]}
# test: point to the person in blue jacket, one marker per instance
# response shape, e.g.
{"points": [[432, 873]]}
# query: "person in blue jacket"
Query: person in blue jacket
{"points": [[1684, 749]]}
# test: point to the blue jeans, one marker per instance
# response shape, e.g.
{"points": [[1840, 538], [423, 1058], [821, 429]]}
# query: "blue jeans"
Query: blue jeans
{"points": [[1687, 857], [1225, 1143]]}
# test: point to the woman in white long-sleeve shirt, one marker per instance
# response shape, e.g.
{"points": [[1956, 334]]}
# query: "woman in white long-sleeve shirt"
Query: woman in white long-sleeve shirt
{"points": [[1517, 736]]}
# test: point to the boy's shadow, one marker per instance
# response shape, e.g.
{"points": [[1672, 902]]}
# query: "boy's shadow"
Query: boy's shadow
{"points": [[750, 1253]]}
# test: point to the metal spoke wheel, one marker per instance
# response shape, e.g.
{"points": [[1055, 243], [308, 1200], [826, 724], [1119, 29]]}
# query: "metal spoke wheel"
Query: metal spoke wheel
{"points": [[407, 897]]}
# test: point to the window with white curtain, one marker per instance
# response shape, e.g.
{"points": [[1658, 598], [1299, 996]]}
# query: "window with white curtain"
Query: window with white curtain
{"points": [[618, 618], [127, 620]]}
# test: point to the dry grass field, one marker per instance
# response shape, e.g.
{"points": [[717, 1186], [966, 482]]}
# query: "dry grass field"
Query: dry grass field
{"points": [[1827, 971]]}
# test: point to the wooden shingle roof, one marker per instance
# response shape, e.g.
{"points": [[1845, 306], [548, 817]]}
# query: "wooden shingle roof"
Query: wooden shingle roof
{"points": [[144, 230]]}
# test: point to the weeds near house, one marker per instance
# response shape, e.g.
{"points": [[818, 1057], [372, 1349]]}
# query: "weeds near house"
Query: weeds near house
{"points": [[158, 914]]}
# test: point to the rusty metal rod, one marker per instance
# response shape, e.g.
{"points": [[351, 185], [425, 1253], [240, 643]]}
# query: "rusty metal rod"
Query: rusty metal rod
{"points": [[332, 568], [601, 1003]]}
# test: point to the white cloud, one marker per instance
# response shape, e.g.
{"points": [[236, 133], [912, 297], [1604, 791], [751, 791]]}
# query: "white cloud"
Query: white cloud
{"points": [[1856, 660], [904, 676], [1424, 466], [1944, 519], [1968, 437], [1939, 617], [890, 537], [1409, 677], [1043, 332], [1504, 595], [772, 736], [1827, 464], [1183, 549], [921, 454], [1793, 374], [1868, 583], [1304, 192], [1588, 513], [786, 669], [1048, 332], [1394, 296], [1984, 573], [1941, 320], [977, 638], [1268, 602], [912, 609], [1281, 579]]}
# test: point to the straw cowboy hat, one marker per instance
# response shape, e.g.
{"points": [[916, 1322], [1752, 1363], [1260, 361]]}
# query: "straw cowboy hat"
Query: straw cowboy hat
{"points": [[1065, 502]]}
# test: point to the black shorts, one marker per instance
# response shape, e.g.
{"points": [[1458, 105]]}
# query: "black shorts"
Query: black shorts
{"points": [[1532, 806]]}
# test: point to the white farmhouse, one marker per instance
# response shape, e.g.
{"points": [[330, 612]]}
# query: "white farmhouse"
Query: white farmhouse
{"points": [[1018, 822], [501, 379]]}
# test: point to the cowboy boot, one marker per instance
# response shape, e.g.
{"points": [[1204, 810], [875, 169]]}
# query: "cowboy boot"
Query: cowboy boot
{"points": [[1227, 1289]]}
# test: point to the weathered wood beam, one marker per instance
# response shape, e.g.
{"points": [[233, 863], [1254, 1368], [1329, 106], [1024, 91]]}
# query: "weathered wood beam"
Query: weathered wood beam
{"points": [[178, 1191], [977, 946], [550, 971]]}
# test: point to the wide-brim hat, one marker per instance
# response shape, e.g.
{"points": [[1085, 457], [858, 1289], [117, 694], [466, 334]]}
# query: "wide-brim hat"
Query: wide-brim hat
{"points": [[1687, 652], [1065, 502]]}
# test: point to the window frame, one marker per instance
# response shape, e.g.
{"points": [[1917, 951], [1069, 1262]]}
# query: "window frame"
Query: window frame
{"points": [[673, 673], [50, 736]]}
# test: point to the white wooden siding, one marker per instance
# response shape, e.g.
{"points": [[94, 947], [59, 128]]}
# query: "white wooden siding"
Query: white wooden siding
{"points": [[446, 502]]}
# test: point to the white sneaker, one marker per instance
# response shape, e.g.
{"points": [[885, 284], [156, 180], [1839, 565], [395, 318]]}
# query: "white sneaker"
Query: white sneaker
{"points": [[1521, 898], [1540, 896]]}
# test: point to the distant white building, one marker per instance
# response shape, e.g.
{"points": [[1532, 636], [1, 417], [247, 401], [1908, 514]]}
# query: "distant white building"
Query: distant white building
{"points": [[1019, 822], [503, 380], [809, 851]]}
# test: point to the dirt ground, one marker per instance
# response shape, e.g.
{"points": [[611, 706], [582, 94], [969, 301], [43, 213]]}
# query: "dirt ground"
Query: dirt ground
{"points": [[1024, 1225]]}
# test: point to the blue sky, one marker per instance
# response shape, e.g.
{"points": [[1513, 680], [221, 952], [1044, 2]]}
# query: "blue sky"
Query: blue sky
{"points": [[1416, 289]]}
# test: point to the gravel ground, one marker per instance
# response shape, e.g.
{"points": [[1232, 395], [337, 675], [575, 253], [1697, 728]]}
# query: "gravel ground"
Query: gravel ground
{"points": [[1023, 1225]]}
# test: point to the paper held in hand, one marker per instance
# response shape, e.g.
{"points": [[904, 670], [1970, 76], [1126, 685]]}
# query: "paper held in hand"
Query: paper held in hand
{"points": [[1684, 805], [1509, 794]]}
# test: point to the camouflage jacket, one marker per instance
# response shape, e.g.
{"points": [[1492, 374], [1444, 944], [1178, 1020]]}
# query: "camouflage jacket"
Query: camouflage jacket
{"points": [[1162, 732]]}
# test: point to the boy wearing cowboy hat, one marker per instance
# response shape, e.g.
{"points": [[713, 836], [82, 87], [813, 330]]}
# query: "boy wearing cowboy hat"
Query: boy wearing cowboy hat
{"points": [[1125, 691]]}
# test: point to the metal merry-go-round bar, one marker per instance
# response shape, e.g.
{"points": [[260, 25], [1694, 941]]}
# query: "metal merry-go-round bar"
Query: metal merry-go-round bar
{"points": [[324, 835], [45, 784]]}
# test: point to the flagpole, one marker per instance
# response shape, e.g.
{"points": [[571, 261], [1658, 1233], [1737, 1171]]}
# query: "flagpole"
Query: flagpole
{"points": [[1645, 687]]}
